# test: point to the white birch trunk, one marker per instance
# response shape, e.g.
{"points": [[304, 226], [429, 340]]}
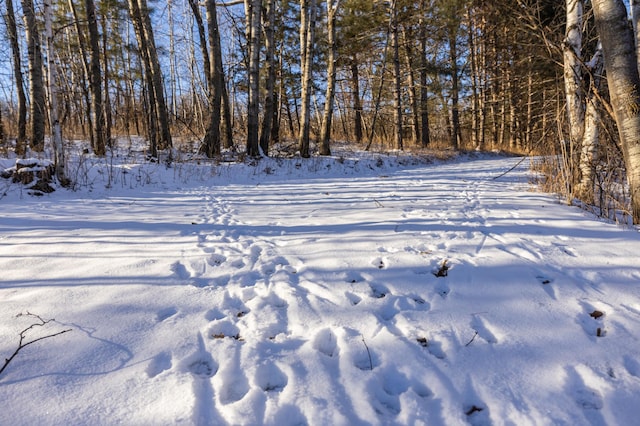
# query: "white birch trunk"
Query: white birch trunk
{"points": [[573, 81], [56, 131], [620, 62]]}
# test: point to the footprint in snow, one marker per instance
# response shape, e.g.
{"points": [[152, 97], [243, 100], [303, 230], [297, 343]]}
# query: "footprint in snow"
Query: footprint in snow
{"points": [[200, 363], [378, 291], [270, 378], [592, 319], [180, 271], [166, 313], [158, 364], [483, 330], [379, 263], [326, 342]]}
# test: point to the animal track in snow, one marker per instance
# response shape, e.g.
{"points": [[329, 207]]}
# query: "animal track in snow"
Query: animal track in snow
{"points": [[180, 271], [325, 342], [483, 330], [165, 313], [270, 378], [378, 291], [158, 364]]}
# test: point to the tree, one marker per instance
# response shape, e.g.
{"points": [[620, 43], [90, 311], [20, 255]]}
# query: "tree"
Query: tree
{"points": [[621, 65], [253, 12], [36, 79], [308, 11], [12, 32], [95, 81], [157, 115], [325, 134], [269, 23]]}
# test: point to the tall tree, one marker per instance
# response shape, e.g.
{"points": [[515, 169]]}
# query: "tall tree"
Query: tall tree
{"points": [[573, 85], [397, 78], [253, 11], [12, 32], [158, 117], [325, 133], [308, 11], [621, 64], [212, 143], [95, 80], [269, 22], [36, 79], [54, 121]]}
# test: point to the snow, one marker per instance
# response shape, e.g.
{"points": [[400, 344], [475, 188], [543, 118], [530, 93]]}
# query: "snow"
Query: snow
{"points": [[305, 292]]}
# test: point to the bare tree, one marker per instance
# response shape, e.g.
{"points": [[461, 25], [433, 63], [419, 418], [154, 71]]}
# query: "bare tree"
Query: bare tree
{"points": [[12, 32], [308, 10], [253, 13], [325, 134], [36, 79]]}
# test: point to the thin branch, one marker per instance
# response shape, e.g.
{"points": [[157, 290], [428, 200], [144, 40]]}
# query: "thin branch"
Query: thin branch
{"points": [[21, 343], [473, 338]]}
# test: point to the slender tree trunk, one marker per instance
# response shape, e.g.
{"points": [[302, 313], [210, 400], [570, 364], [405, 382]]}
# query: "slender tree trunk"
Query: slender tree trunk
{"points": [[412, 89], [357, 105], [456, 137], [56, 130], [269, 102], [215, 83], [156, 77], [12, 32], [397, 83], [95, 81], [573, 86], [325, 135], [36, 79], [308, 9], [590, 139], [621, 64], [254, 9], [424, 94]]}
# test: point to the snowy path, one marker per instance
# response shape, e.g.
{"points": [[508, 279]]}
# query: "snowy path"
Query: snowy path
{"points": [[315, 302]]}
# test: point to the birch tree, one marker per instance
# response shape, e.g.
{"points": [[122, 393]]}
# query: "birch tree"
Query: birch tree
{"points": [[574, 94], [325, 134], [621, 65], [54, 121], [308, 10]]}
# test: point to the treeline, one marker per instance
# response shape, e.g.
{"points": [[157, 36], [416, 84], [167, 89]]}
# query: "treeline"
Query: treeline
{"points": [[264, 76]]}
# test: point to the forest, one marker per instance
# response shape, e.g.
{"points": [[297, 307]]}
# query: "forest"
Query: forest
{"points": [[253, 78]]}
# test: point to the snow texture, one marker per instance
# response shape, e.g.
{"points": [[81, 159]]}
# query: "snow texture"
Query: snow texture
{"points": [[309, 293]]}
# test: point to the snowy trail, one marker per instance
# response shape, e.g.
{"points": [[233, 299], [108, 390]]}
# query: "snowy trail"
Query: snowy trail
{"points": [[316, 301]]}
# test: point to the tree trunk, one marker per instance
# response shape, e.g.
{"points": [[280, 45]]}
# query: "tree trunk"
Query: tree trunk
{"points": [[456, 136], [397, 83], [253, 9], [573, 86], [357, 105], [269, 102], [12, 33], [95, 81], [215, 83], [36, 79], [620, 62], [325, 134], [424, 94], [56, 131], [308, 9]]}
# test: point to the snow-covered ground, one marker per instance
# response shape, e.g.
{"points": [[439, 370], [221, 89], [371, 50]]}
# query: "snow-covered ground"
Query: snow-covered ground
{"points": [[306, 292]]}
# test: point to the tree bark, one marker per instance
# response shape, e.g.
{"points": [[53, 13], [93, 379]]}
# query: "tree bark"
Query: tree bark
{"points": [[253, 9], [212, 142], [357, 104], [308, 10], [36, 79], [620, 62], [95, 81], [572, 51], [12, 32], [270, 96], [325, 134], [397, 83]]}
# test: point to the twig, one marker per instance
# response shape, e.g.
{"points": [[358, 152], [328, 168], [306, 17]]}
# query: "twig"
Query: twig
{"points": [[368, 353], [472, 339], [378, 203], [21, 343]]}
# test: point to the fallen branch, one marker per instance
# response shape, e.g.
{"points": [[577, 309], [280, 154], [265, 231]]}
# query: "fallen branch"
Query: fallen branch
{"points": [[368, 353], [22, 344], [472, 339]]}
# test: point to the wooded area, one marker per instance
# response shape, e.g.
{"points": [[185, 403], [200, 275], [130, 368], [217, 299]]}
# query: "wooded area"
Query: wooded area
{"points": [[288, 77]]}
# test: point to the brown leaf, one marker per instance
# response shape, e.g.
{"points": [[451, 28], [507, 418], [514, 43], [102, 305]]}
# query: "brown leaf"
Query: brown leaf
{"points": [[596, 314]]}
